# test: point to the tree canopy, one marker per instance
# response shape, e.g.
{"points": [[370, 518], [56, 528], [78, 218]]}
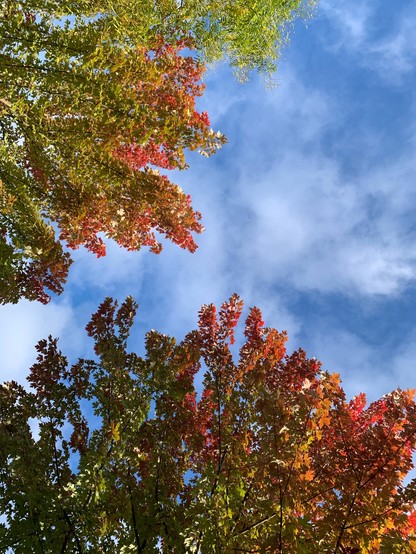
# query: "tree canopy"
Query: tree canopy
{"points": [[248, 33], [94, 97], [268, 457], [85, 123]]}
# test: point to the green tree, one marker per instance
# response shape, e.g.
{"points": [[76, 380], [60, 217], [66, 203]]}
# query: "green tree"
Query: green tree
{"points": [[269, 457], [248, 33]]}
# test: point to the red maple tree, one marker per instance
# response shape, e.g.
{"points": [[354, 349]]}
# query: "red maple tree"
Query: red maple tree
{"points": [[268, 456]]}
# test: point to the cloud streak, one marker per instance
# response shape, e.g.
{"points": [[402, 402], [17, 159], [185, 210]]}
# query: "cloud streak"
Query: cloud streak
{"points": [[358, 30]]}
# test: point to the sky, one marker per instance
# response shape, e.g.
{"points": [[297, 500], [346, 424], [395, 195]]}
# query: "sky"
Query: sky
{"points": [[309, 211]]}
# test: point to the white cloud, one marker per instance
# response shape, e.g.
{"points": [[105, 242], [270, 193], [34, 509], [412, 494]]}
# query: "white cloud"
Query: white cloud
{"points": [[23, 325], [404, 363], [363, 367], [295, 215], [103, 274], [351, 19], [391, 53], [317, 232], [396, 53]]}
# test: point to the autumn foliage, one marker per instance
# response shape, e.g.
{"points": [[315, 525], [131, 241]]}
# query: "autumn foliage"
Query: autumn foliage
{"points": [[166, 124], [269, 456], [95, 97], [88, 118]]}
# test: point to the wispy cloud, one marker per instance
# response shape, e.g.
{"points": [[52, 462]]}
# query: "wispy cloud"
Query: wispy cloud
{"points": [[376, 369], [389, 50], [312, 229], [297, 217], [352, 21], [22, 326]]}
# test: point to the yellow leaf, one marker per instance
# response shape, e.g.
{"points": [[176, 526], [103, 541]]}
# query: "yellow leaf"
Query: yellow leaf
{"points": [[309, 475], [115, 434]]}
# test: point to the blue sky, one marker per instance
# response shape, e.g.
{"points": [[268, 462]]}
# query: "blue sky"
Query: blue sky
{"points": [[309, 211]]}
